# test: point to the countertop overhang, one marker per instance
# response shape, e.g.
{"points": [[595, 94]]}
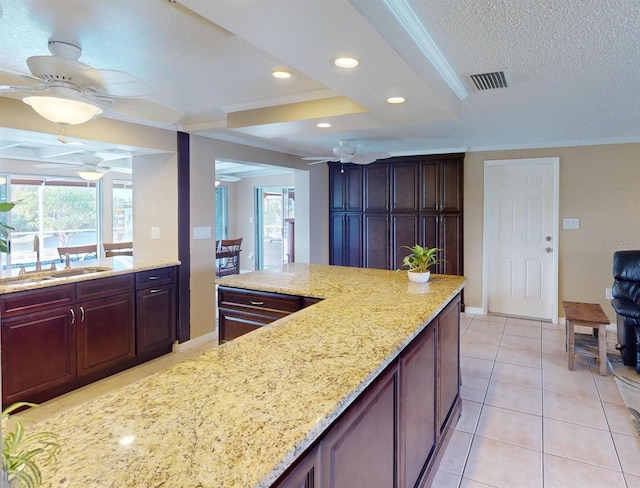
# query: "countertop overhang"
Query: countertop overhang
{"points": [[240, 414]]}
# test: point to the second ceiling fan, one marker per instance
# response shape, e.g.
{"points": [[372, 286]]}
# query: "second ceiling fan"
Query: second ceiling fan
{"points": [[346, 153]]}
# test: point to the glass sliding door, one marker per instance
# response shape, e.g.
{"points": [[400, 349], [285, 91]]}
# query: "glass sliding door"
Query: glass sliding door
{"points": [[274, 226]]}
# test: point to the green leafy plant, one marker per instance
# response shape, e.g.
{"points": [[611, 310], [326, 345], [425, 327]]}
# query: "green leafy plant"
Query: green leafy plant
{"points": [[4, 228], [22, 453], [421, 258]]}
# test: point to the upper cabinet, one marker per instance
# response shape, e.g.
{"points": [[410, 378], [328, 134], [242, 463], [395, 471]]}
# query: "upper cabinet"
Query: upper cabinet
{"points": [[378, 208]]}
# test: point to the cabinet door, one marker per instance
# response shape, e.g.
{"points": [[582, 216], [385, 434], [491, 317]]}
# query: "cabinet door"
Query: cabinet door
{"points": [[405, 233], [451, 186], [377, 241], [404, 180], [345, 188], [38, 353], [359, 451], [450, 239], [155, 320], [417, 407], [376, 184], [448, 360], [345, 236], [305, 474], [430, 188], [105, 332]]}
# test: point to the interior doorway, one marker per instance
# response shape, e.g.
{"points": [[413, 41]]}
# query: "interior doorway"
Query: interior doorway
{"points": [[521, 237], [275, 226]]}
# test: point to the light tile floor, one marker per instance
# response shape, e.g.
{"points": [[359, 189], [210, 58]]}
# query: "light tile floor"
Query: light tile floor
{"points": [[527, 421]]}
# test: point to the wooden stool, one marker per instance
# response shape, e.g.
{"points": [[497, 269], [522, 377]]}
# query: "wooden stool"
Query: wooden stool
{"points": [[586, 315]]}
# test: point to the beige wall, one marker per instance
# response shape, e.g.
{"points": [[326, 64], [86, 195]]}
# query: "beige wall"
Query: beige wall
{"points": [[598, 185]]}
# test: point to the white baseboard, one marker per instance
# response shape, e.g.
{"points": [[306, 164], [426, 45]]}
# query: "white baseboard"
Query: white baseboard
{"points": [[474, 310], [190, 344]]}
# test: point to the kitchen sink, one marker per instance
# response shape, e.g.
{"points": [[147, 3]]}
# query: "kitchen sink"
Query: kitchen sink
{"points": [[66, 273], [50, 275]]}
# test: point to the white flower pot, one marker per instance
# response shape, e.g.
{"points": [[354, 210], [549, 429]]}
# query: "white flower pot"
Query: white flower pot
{"points": [[417, 277]]}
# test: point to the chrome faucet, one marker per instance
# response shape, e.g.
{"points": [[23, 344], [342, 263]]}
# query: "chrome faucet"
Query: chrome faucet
{"points": [[36, 249]]}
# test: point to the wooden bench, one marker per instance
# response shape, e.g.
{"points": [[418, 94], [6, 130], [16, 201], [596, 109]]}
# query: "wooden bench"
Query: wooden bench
{"points": [[586, 315]]}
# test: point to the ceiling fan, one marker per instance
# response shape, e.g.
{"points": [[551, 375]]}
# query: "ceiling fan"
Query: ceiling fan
{"points": [[345, 153], [60, 78], [87, 162]]}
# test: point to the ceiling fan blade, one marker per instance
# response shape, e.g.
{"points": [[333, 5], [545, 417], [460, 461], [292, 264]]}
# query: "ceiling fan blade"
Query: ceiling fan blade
{"points": [[116, 83], [319, 158], [143, 109], [59, 165], [321, 161], [368, 158], [10, 82]]}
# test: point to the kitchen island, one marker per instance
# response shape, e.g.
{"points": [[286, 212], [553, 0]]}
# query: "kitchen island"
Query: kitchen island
{"points": [[243, 414]]}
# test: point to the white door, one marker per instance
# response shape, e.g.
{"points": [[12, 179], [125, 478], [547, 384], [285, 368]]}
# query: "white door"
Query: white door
{"points": [[521, 221]]}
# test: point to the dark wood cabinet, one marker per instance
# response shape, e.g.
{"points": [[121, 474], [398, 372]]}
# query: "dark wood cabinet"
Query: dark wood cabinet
{"points": [[59, 338], [38, 354], [448, 354], [241, 311], [105, 332], [360, 449], [417, 408], [378, 208], [155, 312], [393, 432]]}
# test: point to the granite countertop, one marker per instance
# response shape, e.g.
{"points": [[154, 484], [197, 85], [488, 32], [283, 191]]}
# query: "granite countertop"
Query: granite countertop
{"points": [[240, 414], [10, 282]]}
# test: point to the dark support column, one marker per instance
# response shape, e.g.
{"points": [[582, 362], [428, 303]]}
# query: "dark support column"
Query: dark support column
{"points": [[184, 251]]}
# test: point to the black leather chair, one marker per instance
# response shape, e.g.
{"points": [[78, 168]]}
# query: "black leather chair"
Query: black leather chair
{"points": [[626, 295]]}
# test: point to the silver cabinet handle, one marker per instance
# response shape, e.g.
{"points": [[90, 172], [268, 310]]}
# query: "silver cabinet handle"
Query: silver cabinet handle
{"points": [[82, 314], [256, 303], [151, 278], [155, 290], [73, 316]]}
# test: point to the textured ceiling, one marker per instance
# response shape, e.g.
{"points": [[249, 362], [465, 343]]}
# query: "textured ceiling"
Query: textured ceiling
{"points": [[573, 66]]}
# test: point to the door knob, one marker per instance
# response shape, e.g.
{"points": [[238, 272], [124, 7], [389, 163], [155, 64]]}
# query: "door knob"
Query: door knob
{"points": [[548, 249]]}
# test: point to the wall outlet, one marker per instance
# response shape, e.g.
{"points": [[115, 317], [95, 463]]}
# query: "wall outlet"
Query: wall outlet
{"points": [[607, 294]]}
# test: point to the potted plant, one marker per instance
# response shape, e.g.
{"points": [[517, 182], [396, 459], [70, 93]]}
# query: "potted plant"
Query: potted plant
{"points": [[419, 260], [4, 228], [21, 453]]}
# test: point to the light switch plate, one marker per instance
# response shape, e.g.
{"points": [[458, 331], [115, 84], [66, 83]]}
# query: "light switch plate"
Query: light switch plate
{"points": [[570, 223], [155, 232], [202, 232]]}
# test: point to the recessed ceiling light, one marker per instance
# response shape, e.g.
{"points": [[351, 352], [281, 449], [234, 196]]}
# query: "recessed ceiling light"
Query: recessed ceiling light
{"points": [[323, 125], [395, 100], [281, 74], [346, 62]]}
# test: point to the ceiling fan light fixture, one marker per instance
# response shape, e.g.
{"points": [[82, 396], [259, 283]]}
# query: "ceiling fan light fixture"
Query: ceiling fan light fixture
{"points": [[346, 62], [90, 175], [62, 110]]}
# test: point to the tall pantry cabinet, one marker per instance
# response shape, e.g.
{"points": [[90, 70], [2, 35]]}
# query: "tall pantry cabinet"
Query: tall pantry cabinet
{"points": [[377, 209]]}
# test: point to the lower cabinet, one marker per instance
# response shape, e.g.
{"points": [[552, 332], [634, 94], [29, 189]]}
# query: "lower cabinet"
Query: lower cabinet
{"points": [[59, 338], [241, 311], [391, 435]]}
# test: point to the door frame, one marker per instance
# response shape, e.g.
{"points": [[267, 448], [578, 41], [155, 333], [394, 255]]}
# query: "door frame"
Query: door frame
{"points": [[487, 226]]}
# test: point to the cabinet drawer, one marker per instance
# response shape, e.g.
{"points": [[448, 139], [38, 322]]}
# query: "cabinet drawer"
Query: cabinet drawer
{"points": [[154, 277], [104, 287], [20, 303], [263, 301]]}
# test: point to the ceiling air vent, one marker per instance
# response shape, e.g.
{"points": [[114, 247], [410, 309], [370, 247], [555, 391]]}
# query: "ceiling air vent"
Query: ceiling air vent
{"points": [[490, 81]]}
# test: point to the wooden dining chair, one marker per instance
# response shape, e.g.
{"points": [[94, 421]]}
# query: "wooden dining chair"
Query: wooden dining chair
{"points": [[79, 253], [112, 249], [228, 256]]}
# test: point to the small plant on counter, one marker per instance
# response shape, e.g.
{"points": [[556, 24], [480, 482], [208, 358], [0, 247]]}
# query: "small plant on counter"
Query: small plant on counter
{"points": [[4, 228], [421, 258], [22, 453]]}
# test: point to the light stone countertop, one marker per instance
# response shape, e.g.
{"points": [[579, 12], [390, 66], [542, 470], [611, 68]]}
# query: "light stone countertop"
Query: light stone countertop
{"points": [[110, 267], [240, 414]]}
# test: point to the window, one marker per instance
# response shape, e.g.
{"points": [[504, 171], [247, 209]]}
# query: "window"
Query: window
{"points": [[60, 211], [221, 213], [122, 198]]}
